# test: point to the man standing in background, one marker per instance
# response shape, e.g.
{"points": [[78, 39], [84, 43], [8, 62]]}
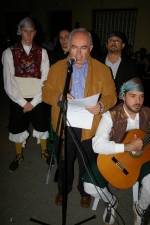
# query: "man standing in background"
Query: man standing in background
{"points": [[25, 67], [123, 68]]}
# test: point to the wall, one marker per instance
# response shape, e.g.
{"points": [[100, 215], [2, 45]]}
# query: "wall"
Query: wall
{"points": [[82, 13]]}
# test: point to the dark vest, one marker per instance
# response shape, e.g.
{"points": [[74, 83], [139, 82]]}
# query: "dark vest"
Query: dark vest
{"points": [[119, 119], [27, 65]]}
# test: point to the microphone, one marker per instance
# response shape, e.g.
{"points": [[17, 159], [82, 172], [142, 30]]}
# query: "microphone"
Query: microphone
{"points": [[71, 60]]}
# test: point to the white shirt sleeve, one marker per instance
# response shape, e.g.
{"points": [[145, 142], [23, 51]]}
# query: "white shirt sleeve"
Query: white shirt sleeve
{"points": [[101, 142], [10, 84], [44, 70]]}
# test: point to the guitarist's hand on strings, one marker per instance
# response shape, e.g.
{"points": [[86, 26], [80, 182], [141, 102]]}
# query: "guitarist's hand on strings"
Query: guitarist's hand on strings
{"points": [[135, 145]]}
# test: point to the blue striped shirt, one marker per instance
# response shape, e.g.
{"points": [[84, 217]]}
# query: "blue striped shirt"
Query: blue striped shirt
{"points": [[78, 80]]}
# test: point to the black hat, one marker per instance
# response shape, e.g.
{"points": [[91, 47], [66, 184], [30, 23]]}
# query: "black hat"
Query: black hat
{"points": [[117, 34]]}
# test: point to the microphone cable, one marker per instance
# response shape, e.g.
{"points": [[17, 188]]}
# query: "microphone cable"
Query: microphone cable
{"points": [[77, 145]]}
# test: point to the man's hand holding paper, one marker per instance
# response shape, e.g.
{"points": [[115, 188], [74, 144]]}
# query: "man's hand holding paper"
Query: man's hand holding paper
{"points": [[80, 112]]}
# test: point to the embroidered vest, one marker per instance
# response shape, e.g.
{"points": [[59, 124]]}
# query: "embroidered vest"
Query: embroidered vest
{"points": [[119, 119], [27, 65]]}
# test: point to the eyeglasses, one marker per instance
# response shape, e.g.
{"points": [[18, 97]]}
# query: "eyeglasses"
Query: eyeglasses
{"points": [[83, 48], [114, 41]]}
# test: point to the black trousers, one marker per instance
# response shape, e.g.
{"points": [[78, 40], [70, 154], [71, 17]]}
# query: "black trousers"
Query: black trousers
{"points": [[85, 156], [19, 121]]}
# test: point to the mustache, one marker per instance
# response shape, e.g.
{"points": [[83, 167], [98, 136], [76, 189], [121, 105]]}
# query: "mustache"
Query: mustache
{"points": [[113, 46], [137, 105]]}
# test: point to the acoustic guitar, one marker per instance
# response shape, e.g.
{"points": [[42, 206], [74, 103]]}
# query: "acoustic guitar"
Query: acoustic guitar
{"points": [[122, 169]]}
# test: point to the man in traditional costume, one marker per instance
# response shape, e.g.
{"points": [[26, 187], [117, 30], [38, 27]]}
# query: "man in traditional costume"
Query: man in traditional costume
{"points": [[25, 67]]}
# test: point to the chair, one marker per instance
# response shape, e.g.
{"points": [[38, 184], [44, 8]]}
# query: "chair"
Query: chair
{"points": [[135, 190]]}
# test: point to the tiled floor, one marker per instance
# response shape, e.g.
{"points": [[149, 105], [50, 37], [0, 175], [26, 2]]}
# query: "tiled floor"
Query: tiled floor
{"points": [[24, 193]]}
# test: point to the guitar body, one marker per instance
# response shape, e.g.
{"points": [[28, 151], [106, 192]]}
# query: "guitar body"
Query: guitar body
{"points": [[122, 169]]}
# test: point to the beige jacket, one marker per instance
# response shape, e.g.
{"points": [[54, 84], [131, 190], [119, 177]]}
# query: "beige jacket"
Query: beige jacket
{"points": [[98, 81]]}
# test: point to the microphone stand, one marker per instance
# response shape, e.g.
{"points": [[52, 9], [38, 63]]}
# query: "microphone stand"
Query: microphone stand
{"points": [[63, 108], [62, 115]]}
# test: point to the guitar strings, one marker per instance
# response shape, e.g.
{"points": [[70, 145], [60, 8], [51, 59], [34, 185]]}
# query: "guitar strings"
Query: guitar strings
{"points": [[146, 139], [126, 159], [77, 145]]}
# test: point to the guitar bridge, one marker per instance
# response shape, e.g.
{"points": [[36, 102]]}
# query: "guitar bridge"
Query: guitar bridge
{"points": [[119, 165]]}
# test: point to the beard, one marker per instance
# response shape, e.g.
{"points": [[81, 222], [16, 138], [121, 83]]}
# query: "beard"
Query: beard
{"points": [[133, 108], [113, 49]]}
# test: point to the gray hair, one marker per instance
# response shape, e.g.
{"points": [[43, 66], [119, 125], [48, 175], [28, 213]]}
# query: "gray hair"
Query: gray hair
{"points": [[26, 22], [80, 30]]}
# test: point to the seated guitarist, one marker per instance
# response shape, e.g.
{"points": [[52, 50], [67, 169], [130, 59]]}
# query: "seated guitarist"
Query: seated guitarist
{"points": [[126, 116]]}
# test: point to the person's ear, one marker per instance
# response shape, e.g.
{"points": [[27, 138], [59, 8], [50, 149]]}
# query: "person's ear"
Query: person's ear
{"points": [[123, 44], [91, 47]]}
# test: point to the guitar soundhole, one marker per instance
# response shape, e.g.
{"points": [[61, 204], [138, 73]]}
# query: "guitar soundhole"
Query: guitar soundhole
{"points": [[136, 154]]}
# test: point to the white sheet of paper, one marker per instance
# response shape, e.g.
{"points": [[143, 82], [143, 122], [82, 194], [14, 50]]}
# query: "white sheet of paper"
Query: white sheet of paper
{"points": [[76, 113]]}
